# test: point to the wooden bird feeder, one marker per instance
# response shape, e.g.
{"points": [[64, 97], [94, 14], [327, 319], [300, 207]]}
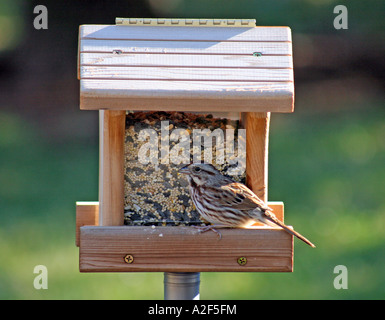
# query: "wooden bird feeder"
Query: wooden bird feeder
{"points": [[181, 69]]}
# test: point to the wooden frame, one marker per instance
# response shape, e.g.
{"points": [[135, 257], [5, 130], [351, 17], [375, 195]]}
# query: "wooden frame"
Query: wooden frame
{"points": [[87, 214], [113, 72], [104, 249], [111, 167]]}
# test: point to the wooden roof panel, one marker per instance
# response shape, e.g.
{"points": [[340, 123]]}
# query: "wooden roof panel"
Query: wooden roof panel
{"points": [[186, 68]]}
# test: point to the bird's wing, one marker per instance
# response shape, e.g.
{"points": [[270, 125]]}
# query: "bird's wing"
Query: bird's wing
{"points": [[241, 197]]}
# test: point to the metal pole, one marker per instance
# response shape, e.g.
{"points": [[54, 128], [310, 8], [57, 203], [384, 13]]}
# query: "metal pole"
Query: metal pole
{"points": [[181, 285]]}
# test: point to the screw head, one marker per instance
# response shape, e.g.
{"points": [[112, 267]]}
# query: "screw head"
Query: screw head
{"points": [[128, 258], [242, 261]]}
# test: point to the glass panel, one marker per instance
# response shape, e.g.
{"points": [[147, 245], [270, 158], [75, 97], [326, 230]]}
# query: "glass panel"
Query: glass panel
{"points": [[158, 144]]}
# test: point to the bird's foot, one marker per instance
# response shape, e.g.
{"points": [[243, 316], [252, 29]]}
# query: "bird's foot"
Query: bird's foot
{"points": [[202, 229]]}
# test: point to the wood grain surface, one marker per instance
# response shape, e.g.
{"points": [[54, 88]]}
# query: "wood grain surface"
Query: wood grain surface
{"points": [[186, 68], [184, 249]]}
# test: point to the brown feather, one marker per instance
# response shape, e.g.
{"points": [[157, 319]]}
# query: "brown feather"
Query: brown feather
{"points": [[271, 217]]}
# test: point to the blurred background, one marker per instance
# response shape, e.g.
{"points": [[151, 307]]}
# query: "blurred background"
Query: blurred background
{"points": [[326, 160]]}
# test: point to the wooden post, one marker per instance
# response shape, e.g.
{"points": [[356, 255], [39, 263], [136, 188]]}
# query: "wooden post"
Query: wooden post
{"points": [[111, 167], [257, 144]]}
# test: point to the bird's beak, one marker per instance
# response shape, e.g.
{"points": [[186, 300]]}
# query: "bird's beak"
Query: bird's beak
{"points": [[184, 170]]}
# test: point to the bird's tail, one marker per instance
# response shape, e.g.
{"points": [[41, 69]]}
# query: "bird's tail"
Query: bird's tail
{"points": [[270, 217]]}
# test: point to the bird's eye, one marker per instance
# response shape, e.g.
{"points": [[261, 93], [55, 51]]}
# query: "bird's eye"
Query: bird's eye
{"points": [[197, 169]]}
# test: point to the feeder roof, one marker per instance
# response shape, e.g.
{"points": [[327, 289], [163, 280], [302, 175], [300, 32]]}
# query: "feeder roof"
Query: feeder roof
{"points": [[222, 66]]}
